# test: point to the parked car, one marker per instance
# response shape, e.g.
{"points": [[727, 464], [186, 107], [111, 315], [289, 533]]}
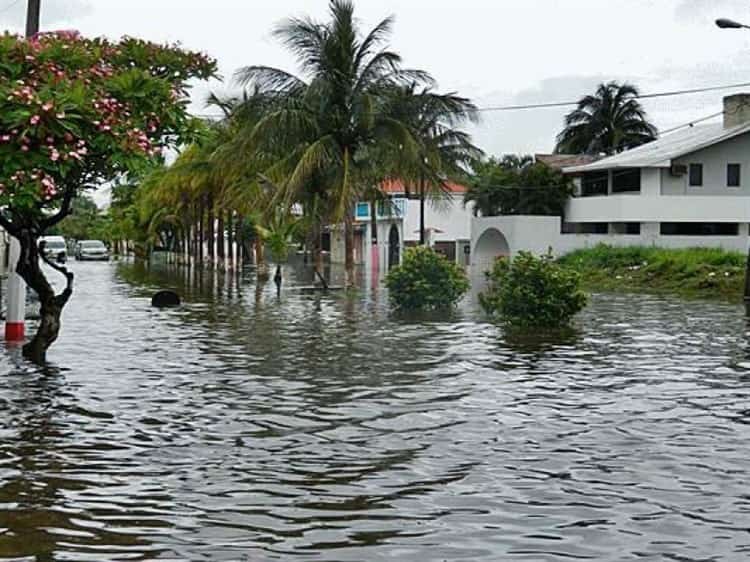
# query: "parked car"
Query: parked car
{"points": [[55, 248], [93, 250]]}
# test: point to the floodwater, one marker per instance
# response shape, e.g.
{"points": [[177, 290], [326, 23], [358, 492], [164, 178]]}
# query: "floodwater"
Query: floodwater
{"points": [[245, 427]]}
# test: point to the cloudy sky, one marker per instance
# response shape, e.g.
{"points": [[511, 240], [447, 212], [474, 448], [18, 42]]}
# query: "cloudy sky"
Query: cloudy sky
{"points": [[497, 52]]}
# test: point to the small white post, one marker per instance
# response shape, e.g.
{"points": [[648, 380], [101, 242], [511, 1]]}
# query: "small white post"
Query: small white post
{"points": [[15, 313]]}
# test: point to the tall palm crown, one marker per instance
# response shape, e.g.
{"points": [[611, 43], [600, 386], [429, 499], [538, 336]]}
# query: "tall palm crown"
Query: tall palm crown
{"points": [[610, 121], [444, 152], [334, 114], [335, 108]]}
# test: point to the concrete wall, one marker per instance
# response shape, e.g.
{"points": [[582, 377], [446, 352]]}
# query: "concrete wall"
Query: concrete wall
{"points": [[363, 253], [448, 215], [641, 208], [541, 234]]}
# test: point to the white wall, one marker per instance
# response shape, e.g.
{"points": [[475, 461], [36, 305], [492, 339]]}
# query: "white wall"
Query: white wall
{"points": [[541, 234], [641, 208], [448, 215], [714, 159]]}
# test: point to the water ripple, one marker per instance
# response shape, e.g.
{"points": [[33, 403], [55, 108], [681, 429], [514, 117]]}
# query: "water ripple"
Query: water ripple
{"points": [[245, 427]]}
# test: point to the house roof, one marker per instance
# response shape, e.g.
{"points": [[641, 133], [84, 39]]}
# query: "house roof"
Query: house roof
{"points": [[661, 152], [397, 186], [560, 161]]}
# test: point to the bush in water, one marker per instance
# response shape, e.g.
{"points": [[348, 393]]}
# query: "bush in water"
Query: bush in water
{"points": [[533, 292], [426, 280]]}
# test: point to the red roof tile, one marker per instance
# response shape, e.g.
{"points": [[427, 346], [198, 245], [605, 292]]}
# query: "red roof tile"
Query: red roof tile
{"points": [[396, 186]]}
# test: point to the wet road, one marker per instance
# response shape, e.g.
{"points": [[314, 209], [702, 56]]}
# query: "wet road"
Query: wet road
{"points": [[242, 427]]}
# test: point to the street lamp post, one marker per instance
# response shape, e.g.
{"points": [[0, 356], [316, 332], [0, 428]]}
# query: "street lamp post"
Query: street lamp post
{"points": [[724, 23]]}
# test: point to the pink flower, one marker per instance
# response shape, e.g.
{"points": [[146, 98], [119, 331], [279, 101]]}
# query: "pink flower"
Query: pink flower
{"points": [[48, 106], [5, 138], [24, 148], [54, 155], [35, 119]]}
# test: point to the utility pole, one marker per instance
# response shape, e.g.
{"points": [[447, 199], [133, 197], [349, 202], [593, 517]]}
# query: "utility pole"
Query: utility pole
{"points": [[15, 315], [32, 17]]}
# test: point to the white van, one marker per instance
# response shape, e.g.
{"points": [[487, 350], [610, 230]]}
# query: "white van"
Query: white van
{"points": [[55, 248]]}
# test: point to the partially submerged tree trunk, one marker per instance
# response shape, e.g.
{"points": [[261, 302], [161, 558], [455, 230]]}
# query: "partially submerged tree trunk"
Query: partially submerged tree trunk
{"points": [[211, 233], [278, 279], [349, 250], [260, 259], [230, 239], [316, 248], [422, 237], [220, 240], [199, 249], [51, 305]]}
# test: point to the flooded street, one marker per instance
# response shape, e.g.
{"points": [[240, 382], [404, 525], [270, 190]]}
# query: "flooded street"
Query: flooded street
{"points": [[245, 427]]}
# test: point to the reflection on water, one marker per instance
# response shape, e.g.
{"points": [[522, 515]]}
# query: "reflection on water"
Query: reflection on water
{"points": [[245, 427]]}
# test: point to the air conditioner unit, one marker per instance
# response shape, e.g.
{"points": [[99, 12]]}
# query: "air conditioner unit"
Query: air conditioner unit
{"points": [[678, 170]]}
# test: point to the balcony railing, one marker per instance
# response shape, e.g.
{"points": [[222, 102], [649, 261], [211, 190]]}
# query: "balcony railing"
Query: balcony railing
{"points": [[395, 208]]}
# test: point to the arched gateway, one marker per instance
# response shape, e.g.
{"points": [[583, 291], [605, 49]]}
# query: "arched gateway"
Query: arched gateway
{"points": [[491, 245]]}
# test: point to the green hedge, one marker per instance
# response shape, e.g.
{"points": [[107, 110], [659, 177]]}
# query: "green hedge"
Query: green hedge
{"points": [[426, 280]]}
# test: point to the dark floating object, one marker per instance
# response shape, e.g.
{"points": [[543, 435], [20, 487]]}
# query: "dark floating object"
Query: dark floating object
{"points": [[165, 299]]}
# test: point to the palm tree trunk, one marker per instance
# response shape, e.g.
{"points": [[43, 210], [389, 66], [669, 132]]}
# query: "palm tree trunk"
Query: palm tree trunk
{"points": [[220, 240], [374, 254], [230, 239], [211, 233], [260, 260], [349, 250], [316, 248], [422, 233], [201, 217]]}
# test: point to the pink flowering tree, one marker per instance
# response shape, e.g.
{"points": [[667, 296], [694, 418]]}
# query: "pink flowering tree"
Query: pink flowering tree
{"points": [[75, 113]]}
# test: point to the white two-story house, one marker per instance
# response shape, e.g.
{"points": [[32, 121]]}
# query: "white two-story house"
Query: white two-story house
{"points": [[689, 188]]}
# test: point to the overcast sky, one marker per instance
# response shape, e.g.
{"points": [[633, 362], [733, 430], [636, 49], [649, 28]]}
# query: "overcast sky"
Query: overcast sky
{"points": [[495, 51]]}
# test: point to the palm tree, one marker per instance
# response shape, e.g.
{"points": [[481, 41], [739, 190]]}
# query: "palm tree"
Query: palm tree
{"points": [[444, 152], [610, 121], [333, 110]]}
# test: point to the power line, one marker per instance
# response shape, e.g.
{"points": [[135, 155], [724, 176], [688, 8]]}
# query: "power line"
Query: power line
{"points": [[546, 105], [690, 123], [9, 6], [640, 96]]}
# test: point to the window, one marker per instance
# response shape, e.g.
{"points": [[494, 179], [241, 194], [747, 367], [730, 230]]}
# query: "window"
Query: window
{"points": [[699, 229], [585, 228], [363, 211], [733, 175], [633, 228], [624, 181], [696, 175], [595, 183]]}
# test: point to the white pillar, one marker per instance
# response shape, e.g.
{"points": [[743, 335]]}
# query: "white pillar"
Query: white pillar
{"points": [[15, 313]]}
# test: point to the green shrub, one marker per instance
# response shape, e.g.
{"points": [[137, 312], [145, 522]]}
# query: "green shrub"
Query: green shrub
{"points": [[533, 292], [426, 280]]}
